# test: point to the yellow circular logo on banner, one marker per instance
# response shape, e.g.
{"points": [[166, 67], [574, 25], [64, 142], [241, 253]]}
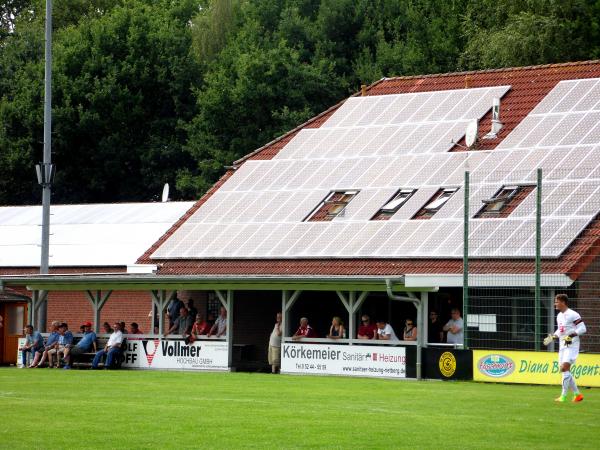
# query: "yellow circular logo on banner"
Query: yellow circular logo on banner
{"points": [[447, 364]]}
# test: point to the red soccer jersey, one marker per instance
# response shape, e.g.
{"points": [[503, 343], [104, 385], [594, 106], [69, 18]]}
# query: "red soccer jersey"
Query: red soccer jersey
{"points": [[306, 331]]}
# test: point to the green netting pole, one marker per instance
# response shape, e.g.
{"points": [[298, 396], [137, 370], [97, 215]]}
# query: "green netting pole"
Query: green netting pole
{"points": [[466, 260], [538, 261]]}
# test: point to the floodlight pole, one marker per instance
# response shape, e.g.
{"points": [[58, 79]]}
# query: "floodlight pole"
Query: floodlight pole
{"points": [[46, 171]]}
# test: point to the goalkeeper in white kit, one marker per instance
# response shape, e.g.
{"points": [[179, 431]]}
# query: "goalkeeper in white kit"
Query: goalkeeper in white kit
{"points": [[570, 327]]}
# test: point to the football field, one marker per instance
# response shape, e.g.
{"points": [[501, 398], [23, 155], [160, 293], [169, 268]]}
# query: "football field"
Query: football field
{"points": [[145, 409]]}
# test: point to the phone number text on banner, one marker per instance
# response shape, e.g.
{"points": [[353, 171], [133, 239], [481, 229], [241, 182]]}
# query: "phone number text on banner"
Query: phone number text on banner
{"points": [[175, 354], [356, 360]]}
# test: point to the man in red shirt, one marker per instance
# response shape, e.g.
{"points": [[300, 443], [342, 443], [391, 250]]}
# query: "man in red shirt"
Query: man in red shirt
{"points": [[305, 330], [367, 329], [134, 328]]}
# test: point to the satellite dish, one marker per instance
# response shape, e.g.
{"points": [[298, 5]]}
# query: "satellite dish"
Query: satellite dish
{"points": [[165, 194], [471, 133]]}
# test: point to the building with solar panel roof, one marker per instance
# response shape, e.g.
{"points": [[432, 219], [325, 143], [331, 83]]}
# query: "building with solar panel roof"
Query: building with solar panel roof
{"points": [[86, 239], [380, 205]]}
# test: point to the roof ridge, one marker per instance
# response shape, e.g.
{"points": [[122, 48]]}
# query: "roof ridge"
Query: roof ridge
{"points": [[481, 71], [406, 77]]}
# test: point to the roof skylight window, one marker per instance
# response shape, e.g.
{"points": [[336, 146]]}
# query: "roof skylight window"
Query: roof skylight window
{"points": [[333, 206], [394, 204], [504, 201], [436, 202]]}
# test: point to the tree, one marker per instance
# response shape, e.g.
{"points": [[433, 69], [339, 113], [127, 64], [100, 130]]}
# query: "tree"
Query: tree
{"points": [[515, 33], [122, 97], [10, 10], [148, 91], [211, 28], [250, 97]]}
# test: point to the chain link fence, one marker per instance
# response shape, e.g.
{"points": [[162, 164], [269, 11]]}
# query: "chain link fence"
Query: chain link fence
{"points": [[532, 234]]}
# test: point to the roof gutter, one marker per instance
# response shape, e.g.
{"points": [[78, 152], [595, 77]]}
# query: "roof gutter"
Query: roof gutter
{"points": [[486, 280], [412, 298], [79, 282]]}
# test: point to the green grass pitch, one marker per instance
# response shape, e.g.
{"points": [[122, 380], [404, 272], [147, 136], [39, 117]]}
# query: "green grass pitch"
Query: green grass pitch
{"points": [[147, 409]]}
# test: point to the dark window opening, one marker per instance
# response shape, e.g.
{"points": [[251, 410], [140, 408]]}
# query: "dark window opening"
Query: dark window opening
{"points": [[394, 204], [333, 206], [504, 201], [436, 202]]}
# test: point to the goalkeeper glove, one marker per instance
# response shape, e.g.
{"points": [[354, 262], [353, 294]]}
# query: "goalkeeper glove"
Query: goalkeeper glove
{"points": [[568, 340], [549, 339]]}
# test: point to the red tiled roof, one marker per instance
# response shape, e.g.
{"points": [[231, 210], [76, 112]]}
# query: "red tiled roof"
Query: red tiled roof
{"points": [[11, 295], [529, 85]]}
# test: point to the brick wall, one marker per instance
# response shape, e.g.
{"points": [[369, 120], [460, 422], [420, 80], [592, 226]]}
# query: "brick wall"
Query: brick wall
{"points": [[74, 308]]}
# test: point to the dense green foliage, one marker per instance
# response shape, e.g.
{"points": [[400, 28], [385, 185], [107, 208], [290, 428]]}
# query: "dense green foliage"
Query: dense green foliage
{"points": [[154, 91]]}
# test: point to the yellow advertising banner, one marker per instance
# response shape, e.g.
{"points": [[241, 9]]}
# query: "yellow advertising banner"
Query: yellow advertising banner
{"points": [[532, 367]]}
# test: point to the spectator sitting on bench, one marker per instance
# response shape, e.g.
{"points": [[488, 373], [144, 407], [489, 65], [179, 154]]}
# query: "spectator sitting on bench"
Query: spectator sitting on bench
{"points": [[87, 344], [112, 349], [107, 329], [34, 342], [43, 353], [135, 329], [64, 343], [201, 326], [220, 325], [123, 327], [183, 323], [367, 330]]}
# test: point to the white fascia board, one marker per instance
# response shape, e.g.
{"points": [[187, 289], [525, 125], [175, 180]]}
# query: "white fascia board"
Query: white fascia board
{"points": [[142, 268], [486, 280]]}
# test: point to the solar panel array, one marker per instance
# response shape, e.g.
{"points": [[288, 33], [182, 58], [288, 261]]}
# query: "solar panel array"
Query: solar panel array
{"points": [[380, 144], [85, 235], [393, 125]]}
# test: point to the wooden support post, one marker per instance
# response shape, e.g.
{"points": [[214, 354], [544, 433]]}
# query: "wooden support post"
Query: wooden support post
{"points": [[37, 298], [229, 307], [97, 299], [287, 301], [351, 316], [161, 299]]}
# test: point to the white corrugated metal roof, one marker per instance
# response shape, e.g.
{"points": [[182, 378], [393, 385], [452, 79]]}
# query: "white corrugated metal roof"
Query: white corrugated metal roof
{"points": [[115, 234]]}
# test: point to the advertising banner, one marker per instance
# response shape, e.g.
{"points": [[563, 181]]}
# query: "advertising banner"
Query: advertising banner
{"points": [[175, 354], [448, 363], [532, 367], [349, 360], [20, 343]]}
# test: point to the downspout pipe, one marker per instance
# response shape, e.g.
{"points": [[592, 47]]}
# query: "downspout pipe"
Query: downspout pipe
{"points": [[419, 306]]}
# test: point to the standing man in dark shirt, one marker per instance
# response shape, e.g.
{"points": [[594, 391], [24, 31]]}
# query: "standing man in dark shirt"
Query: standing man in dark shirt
{"points": [[173, 310], [192, 310], [435, 333]]}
